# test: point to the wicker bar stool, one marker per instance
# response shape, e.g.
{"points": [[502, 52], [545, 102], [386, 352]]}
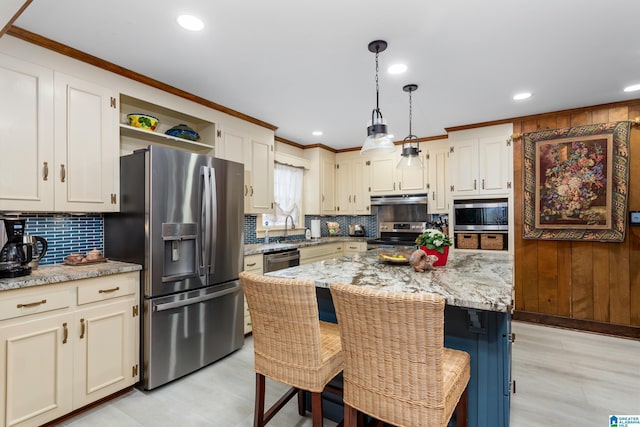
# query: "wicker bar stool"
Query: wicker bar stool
{"points": [[396, 368], [291, 345]]}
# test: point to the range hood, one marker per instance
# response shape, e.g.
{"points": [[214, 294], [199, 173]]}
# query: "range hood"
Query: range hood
{"points": [[400, 199]]}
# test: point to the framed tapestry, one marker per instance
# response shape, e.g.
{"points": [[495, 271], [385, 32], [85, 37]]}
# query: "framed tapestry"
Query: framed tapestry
{"points": [[575, 183]]}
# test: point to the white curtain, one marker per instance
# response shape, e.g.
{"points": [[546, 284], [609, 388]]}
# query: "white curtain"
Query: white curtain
{"points": [[288, 190]]}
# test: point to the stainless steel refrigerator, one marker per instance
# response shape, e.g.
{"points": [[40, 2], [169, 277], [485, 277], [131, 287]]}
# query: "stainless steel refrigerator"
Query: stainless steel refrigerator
{"points": [[181, 218]]}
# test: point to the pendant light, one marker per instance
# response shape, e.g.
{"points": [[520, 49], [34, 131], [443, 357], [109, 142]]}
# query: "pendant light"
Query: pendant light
{"points": [[377, 137], [410, 149]]}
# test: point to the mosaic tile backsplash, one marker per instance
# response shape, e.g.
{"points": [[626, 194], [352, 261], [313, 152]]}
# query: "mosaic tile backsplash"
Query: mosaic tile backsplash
{"points": [[66, 234], [370, 223]]}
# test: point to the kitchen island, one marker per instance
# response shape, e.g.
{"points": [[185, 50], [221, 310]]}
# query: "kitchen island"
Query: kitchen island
{"points": [[478, 289]]}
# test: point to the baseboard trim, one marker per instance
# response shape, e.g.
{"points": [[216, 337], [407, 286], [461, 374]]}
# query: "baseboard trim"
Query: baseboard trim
{"points": [[86, 408], [621, 331]]}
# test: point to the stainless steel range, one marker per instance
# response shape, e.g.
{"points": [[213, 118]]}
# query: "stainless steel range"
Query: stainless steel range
{"points": [[401, 218]]}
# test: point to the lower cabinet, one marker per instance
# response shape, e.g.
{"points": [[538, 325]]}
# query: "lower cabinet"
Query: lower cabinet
{"points": [[65, 346], [252, 264], [321, 252], [354, 247]]}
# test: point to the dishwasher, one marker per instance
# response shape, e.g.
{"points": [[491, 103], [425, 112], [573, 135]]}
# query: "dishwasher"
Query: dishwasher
{"points": [[282, 259]]}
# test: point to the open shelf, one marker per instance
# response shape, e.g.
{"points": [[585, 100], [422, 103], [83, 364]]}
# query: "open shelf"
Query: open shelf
{"points": [[162, 138]]}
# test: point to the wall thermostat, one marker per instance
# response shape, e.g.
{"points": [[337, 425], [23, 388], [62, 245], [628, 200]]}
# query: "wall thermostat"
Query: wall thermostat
{"points": [[634, 218]]}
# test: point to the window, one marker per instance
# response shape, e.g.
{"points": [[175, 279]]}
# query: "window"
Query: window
{"points": [[287, 181]]}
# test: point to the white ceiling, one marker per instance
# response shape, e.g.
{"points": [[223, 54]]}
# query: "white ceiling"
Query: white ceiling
{"points": [[305, 66]]}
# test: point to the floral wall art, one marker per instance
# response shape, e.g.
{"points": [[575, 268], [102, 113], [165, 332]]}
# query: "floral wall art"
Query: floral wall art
{"points": [[576, 182]]}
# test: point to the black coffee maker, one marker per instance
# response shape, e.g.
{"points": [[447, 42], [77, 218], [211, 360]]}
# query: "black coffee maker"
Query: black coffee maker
{"points": [[15, 255]]}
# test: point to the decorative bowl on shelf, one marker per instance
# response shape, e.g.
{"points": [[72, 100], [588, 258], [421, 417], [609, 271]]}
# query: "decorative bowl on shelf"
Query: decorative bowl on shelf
{"points": [[183, 131], [143, 121]]}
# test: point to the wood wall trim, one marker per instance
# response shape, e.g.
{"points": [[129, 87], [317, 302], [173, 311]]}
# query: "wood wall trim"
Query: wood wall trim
{"points": [[289, 142], [46, 43], [543, 116], [13, 19], [578, 324]]}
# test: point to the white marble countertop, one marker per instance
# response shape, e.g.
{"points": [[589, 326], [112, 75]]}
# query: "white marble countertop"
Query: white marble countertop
{"points": [[260, 248], [474, 279], [48, 274]]}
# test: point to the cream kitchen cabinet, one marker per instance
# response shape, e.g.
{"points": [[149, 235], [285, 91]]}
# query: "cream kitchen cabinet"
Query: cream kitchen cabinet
{"points": [[253, 264], [386, 178], [319, 182], [436, 162], [352, 186], [257, 155], [354, 247], [480, 166], [65, 346], [26, 135], [64, 148], [321, 252]]}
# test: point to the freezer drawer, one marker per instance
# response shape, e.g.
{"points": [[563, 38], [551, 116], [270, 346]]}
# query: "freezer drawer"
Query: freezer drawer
{"points": [[189, 330]]}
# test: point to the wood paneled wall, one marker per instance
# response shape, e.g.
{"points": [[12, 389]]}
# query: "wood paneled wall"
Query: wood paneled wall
{"points": [[584, 281]]}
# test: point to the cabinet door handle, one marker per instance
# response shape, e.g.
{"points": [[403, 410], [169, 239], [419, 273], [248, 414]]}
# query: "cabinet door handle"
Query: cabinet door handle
{"points": [[63, 173], [434, 195], [475, 184], [251, 186], [399, 186], [483, 183], [394, 186], [83, 328], [32, 304], [65, 332], [246, 190], [349, 198], [353, 247], [323, 197], [45, 171], [251, 264], [106, 291], [354, 198]]}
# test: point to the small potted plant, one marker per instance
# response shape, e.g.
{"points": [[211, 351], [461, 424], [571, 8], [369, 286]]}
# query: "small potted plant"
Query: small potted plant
{"points": [[435, 242]]}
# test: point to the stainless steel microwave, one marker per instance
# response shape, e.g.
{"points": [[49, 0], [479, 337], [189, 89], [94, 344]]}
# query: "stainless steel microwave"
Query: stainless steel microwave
{"points": [[481, 215]]}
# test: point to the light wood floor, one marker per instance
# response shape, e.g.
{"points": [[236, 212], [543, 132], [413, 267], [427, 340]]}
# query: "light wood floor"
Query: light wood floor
{"points": [[563, 378]]}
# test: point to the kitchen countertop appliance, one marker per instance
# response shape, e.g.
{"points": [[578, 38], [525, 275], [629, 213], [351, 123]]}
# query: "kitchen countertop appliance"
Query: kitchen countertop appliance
{"points": [[356, 230], [20, 254], [181, 218]]}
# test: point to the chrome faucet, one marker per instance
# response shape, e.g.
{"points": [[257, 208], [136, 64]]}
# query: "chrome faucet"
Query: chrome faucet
{"points": [[285, 225]]}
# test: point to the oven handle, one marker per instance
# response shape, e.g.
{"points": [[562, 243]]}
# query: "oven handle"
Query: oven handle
{"points": [[196, 300]]}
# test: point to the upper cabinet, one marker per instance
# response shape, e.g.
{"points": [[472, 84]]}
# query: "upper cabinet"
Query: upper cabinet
{"points": [[319, 182], [481, 164], [352, 185], [386, 178], [436, 161], [87, 148], [255, 150], [64, 149]]}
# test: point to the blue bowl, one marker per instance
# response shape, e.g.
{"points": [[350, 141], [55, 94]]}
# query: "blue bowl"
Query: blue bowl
{"points": [[184, 132]]}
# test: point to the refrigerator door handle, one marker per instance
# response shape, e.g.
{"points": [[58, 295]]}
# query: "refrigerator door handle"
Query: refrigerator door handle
{"points": [[214, 219], [196, 300], [205, 240]]}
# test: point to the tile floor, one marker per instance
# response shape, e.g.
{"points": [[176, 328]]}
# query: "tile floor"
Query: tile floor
{"points": [[563, 378]]}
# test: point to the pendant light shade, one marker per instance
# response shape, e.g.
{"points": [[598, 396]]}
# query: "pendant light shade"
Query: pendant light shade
{"points": [[410, 146], [378, 138]]}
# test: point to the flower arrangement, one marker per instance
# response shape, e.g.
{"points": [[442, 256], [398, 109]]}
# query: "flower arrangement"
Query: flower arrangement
{"points": [[575, 181], [433, 239]]}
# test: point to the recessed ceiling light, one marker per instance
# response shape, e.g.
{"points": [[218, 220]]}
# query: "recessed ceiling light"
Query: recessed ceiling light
{"points": [[316, 133], [521, 96], [632, 88], [397, 69], [190, 22]]}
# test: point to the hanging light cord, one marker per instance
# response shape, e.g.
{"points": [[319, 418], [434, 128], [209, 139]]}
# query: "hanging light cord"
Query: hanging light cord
{"points": [[410, 114], [377, 85]]}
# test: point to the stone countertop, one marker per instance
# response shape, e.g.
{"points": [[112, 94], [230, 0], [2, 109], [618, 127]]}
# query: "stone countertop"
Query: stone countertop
{"points": [[48, 274], [260, 248], [473, 279]]}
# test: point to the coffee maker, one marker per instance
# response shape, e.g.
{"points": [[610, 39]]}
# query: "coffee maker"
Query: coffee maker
{"points": [[17, 255]]}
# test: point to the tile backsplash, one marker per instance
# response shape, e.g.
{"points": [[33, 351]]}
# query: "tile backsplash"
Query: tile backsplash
{"points": [[66, 234]]}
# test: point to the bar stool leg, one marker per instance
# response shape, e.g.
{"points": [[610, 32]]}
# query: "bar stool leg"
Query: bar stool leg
{"points": [[350, 416], [258, 413], [301, 403], [461, 410], [316, 409]]}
